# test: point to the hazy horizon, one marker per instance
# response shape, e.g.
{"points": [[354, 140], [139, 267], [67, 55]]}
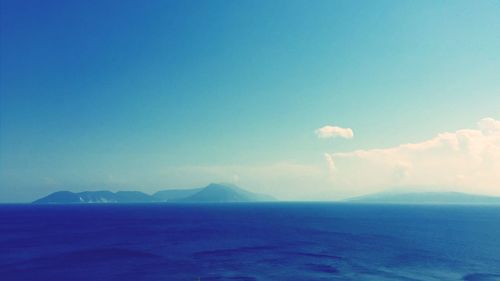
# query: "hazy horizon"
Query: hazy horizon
{"points": [[402, 190], [300, 100]]}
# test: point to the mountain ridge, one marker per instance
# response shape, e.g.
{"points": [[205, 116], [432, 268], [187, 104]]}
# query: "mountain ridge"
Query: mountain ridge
{"points": [[424, 198], [214, 193]]}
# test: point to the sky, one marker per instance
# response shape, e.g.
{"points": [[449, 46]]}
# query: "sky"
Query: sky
{"points": [[303, 100]]}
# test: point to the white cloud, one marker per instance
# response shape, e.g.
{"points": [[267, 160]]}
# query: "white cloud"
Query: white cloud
{"points": [[333, 132], [330, 162], [467, 160], [489, 126]]}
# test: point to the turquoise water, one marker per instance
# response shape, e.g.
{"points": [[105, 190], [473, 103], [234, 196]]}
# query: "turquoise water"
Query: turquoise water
{"points": [[279, 241]]}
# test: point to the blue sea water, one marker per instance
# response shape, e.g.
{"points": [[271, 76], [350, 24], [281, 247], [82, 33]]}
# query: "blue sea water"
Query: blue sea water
{"points": [[280, 241]]}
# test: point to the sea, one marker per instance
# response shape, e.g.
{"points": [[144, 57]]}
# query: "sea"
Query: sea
{"points": [[249, 241]]}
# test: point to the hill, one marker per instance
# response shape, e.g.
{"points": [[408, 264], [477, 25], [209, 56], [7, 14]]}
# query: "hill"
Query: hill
{"points": [[212, 193], [175, 194], [226, 193], [425, 198], [67, 197]]}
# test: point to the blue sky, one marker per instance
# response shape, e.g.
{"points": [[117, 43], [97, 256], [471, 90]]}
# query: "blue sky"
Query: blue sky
{"points": [[133, 95]]}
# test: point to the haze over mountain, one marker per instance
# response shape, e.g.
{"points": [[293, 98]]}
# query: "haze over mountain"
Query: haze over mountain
{"points": [[219, 193], [424, 198], [226, 193], [68, 197], [175, 194]]}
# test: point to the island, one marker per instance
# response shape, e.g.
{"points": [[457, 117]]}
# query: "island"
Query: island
{"points": [[424, 198], [212, 193]]}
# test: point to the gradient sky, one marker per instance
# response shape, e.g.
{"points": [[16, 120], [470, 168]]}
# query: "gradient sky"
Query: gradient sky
{"points": [[148, 95]]}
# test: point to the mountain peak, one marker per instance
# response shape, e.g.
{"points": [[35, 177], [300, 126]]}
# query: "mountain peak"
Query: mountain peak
{"points": [[216, 192]]}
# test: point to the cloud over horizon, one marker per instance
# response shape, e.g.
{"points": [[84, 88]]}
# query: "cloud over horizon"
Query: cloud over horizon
{"points": [[329, 131], [467, 160]]}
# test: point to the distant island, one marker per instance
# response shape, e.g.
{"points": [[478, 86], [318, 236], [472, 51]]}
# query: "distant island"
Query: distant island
{"points": [[424, 198], [227, 193], [213, 193]]}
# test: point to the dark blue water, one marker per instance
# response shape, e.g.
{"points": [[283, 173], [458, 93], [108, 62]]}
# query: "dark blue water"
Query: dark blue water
{"points": [[249, 242]]}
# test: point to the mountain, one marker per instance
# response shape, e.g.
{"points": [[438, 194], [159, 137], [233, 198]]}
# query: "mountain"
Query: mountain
{"points": [[425, 198], [175, 194], [67, 197], [133, 197], [226, 193], [211, 193]]}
